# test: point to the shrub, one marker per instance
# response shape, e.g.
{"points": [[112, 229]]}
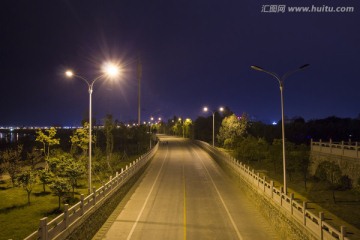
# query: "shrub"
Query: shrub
{"points": [[345, 183]]}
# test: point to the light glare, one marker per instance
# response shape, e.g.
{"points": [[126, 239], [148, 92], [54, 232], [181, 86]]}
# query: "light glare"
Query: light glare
{"points": [[69, 73], [111, 69]]}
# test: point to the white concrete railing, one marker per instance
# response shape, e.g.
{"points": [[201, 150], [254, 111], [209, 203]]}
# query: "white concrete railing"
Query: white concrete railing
{"points": [[296, 211], [52, 229], [346, 149]]}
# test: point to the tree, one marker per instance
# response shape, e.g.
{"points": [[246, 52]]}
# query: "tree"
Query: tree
{"points": [[252, 149], [232, 128], [203, 129], [276, 153], [63, 165], [2, 169], [11, 159], [80, 139], [34, 157], [300, 155], [27, 180], [73, 171], [45, 177], [177, 128], [187, 128], [60, 186], [331, 172], [47, 139], [109, 127]]}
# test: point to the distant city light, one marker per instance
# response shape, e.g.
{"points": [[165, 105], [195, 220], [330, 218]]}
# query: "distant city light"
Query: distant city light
{"points": [[274, 123]]}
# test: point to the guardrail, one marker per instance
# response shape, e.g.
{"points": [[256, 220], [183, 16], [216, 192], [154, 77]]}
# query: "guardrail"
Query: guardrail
{"points": [[315, 224], [71, 215], [346, 149]]}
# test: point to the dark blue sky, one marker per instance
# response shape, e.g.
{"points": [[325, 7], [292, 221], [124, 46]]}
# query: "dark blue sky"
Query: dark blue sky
{"points": [[193, 53]]}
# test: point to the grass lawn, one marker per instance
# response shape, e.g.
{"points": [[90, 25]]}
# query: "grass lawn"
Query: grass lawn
{"points": [[18, 219]]}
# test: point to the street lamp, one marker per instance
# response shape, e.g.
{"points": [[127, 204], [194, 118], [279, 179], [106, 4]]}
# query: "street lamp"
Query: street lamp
{"points": [[151, 119], [281, 83], [206, 109], [109, 70], [182, 126]]}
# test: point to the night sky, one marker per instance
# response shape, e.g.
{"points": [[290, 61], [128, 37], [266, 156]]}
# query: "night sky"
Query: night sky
{"points": [[193, 53]]}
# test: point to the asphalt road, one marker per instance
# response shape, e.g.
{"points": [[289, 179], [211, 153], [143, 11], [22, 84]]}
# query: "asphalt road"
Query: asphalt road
{"points": [[184, 194]]}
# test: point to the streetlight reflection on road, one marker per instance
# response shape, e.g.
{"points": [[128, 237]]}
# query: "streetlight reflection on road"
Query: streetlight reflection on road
{"points": [[281, 83], [109, 71]]}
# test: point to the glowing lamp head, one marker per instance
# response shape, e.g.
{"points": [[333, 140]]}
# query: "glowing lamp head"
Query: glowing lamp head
{"points": [[111, 69], [69, 73], [205, 109], [221, 109]]}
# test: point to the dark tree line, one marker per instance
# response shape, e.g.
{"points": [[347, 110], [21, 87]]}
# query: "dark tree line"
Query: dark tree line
{"points": [[300, 131]]}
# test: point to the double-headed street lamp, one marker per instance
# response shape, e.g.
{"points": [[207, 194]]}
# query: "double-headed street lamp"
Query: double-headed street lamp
{"points": [[206, 109], [281, 83], [109, 70]]}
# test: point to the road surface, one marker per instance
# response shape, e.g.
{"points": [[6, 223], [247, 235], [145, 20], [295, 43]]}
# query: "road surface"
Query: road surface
{"points": [[184, 194]]}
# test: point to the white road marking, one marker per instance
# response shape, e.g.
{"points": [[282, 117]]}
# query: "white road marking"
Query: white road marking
{"points": [[147, 198], [222, 200]]}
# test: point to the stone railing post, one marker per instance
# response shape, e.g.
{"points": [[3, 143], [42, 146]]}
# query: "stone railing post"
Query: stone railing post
{"points": [[320, 145], [66, 215], [304, 212], [322, 218], [272, 188], [94, 196], [330, 145], [43, 229], [342, 148], [291, 203], [112, 183], [264, 188], [82, 197], [343, 232], [253, 177]]}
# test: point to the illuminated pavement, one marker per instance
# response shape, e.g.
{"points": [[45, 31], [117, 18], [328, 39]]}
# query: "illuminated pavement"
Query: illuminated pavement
{"points": [[185, 195]]}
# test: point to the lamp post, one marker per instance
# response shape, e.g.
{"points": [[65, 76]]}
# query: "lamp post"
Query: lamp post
{"points": [[180, 120], [109, 70], [206, 109], [151, 119], [281, 84]]}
